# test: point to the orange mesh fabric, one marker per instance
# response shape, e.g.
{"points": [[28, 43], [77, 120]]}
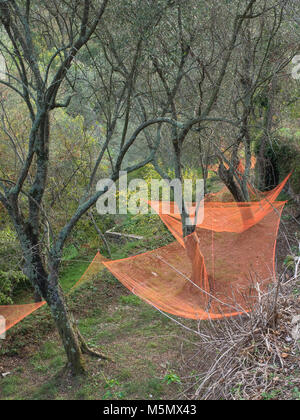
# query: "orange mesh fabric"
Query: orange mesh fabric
{"points": [[224, 194], [219, 270], [14, 314], [218, 276], [222, 217], [214, 273], [240, 168], [92, 271]]}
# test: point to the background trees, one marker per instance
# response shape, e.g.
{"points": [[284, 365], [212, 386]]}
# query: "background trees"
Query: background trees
{"points": [[41, 45], [92, 88]]}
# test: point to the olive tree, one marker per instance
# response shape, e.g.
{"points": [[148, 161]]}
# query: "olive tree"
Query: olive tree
{"points": [[45, 45]]}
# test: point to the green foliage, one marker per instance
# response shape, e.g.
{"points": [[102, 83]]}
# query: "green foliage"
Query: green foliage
{"points": [[112, 392], [172, 378], [10, 252], [284, 154], [130, 300], [296, 394], [289, 262], [9, 282], [12, 279], [149, 174], [86, 234], [142, 225], [272, 395], [261, 99], [70, 252], [288, 159]]}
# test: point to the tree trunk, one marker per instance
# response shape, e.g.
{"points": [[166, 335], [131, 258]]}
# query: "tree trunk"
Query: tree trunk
{"points": [[72, 340], [48, 288], [268, 173], [67, 329], [295, 197], [188, 230], [227, 177], [268, 176]]}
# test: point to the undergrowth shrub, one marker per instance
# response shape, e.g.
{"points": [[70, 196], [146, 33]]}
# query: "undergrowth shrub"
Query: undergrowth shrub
{"points": [[12, 278], [10, 282], [284, 155]]}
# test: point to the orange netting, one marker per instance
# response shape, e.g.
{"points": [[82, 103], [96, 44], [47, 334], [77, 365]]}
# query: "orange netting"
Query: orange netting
{"points": [[92, 271], [219, 216], [224, 195], [240, 168], [13, 314], [216, 272], [215, 275], [219, 270]]}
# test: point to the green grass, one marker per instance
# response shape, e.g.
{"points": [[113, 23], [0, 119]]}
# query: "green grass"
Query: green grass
{"points": [[146, 346], [71, 273], [48, 391], [10, 386], [150, 227], [48, 359], [70, 252], [142, 225], [131, 300], [118, 324]]}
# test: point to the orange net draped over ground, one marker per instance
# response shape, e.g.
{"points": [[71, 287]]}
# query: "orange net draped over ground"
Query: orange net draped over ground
{"points": [[13, 314], [219, 270], [216, 272], [215, 275]]}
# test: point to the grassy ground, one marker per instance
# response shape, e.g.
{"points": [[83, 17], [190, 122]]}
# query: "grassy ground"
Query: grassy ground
{"points": [[145, 345], [154, 358]]}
